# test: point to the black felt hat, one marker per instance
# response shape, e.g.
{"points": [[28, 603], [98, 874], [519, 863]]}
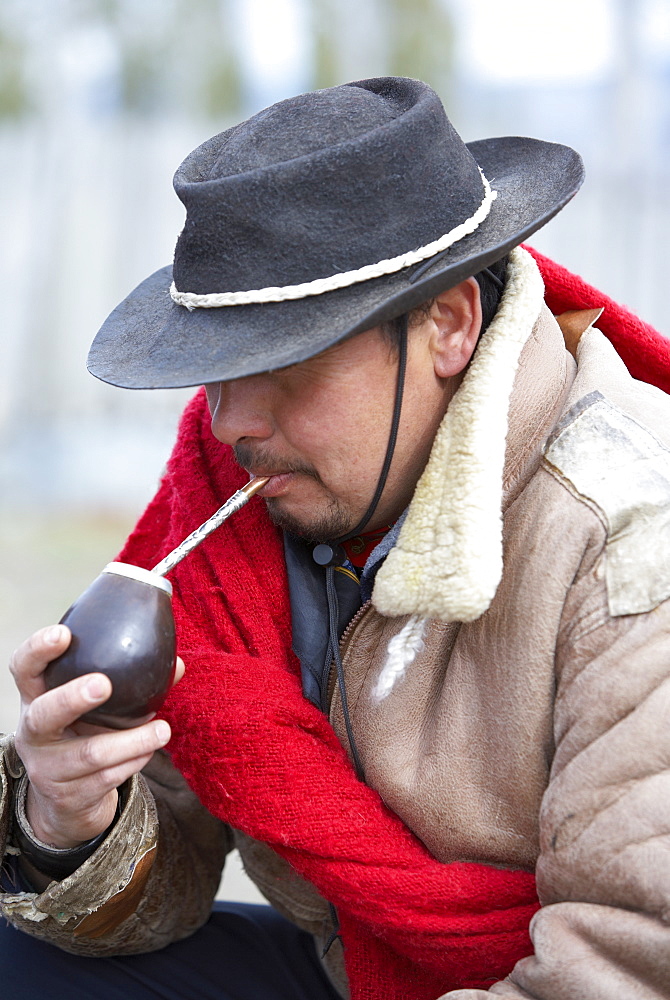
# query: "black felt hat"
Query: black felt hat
{"points": [[321, 217]]}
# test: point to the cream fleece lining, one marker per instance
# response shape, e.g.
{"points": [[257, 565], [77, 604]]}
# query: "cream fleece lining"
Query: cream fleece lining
{"points": [[447, 563]]}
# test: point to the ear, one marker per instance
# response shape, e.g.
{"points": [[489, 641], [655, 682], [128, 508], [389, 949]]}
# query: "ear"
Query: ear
{"points": [[457, 319]]}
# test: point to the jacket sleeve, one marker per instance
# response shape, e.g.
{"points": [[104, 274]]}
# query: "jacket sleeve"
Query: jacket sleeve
{"points": [[150, 882], [603, 874]]}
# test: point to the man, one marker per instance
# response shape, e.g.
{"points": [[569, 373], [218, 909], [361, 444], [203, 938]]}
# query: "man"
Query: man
{"points": [[483, 697]]}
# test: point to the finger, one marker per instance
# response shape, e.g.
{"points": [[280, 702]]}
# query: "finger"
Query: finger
{"points": [[49, 714], [98, 754], [29, 661], [180, 670], [87, 728], [83, 794], [82, 728]]}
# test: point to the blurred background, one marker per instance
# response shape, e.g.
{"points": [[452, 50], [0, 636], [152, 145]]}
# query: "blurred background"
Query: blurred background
{"points": [[99, 102]]}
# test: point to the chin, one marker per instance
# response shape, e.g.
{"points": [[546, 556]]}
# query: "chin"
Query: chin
{"points": [[314, 526]]}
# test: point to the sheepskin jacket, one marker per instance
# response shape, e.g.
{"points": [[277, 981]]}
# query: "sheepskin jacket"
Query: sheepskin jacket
{"points": [[508, 684]]}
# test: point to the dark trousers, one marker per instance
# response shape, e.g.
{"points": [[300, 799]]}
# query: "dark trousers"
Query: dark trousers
{"points": [[244, 952]]}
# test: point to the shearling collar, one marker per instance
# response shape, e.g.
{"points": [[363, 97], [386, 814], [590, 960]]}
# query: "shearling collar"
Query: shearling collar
{"points": [[447, 563]]}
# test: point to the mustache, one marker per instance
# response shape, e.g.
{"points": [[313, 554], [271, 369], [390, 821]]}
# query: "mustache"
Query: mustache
{"points": [[260, 459]]}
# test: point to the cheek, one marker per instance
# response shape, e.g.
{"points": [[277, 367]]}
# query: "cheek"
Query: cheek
{"points": [[310, 410], [313, 428], [345, 437]]}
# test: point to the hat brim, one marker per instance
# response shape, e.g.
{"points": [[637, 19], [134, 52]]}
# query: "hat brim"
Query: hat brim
{"points": [[149, 342]]}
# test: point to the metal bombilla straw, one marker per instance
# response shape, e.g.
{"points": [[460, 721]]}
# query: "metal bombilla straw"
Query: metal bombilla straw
{"points": [[233, 504], [123, 626]]}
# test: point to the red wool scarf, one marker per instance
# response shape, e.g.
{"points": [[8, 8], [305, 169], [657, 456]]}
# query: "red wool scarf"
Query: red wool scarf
{"points": [[267, 762]]}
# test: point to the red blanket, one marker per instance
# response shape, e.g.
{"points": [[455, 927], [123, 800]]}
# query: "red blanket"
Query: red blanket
{"points": [[266, 761]]}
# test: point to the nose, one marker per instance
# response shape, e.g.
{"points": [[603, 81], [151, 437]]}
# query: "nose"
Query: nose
{"points": [[241, 410]]}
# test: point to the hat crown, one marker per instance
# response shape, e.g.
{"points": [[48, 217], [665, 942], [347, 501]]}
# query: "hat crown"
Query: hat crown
{"points": [[292, 128], [321, 184]]}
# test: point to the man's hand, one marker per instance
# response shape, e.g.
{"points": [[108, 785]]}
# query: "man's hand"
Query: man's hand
{"points": [[74, 768]]}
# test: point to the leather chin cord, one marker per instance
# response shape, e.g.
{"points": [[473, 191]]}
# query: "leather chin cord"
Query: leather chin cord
{"points": [[332, 555]]}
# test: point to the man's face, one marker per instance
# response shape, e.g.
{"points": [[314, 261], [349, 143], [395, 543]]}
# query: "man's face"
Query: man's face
{"points": [[320, 429]]}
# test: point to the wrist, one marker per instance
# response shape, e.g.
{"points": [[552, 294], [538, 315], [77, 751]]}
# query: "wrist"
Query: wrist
{"points": [[51, 826], [48, 859]]}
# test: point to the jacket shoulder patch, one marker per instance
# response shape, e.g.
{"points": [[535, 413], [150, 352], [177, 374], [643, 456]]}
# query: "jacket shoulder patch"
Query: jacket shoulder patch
{"points": [[621, 467]]}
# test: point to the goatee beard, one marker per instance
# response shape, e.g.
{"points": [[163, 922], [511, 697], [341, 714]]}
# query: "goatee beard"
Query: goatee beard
{"points": [[331, 525]]}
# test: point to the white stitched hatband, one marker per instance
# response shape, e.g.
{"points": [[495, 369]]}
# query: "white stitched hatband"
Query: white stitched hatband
{"points": [[214, 300]]}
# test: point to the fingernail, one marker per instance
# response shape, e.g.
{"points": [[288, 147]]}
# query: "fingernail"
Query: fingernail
{"points": [[96, 689], [54, 634], [162, 731]]}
